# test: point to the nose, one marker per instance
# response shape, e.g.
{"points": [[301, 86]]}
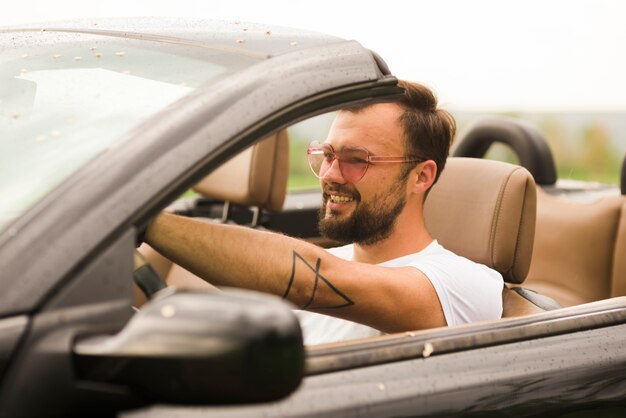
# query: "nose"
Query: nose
{"points": [[333, 174]]}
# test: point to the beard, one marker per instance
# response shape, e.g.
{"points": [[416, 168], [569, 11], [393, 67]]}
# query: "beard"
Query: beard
{"points": [[369, 223]]}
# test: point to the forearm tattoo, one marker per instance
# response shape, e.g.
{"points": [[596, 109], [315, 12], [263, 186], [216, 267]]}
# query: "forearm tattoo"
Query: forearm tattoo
{"points": [[341, 300]]}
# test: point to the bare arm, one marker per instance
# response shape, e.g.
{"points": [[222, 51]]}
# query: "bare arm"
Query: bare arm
{"points": [[388, 299]]}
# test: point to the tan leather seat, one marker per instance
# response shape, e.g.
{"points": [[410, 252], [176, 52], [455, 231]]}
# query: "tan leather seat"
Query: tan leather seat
{"points": [[618, 277], [580, 249], [485, 210], [256, 178]]}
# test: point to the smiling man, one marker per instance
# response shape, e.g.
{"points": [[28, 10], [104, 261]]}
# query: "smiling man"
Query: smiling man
{"points": [[375, 168]]}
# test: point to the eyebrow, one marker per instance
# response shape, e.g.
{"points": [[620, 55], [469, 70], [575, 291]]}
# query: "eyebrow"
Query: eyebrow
{"points": [[348, 148], [355, 149]]}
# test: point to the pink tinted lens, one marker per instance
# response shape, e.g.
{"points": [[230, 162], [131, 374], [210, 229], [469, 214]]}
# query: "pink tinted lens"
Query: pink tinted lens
{"points": [[316, 156], [353, 163], [325, 159]]}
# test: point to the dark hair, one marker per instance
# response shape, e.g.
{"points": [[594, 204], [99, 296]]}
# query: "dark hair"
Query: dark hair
{"points": [[428, 131]]}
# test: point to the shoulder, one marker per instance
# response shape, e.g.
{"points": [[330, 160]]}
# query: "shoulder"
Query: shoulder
{"points": [[437, 256], [468, 291], [346, 252]]}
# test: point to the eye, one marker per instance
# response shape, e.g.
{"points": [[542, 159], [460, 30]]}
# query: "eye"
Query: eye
{"points": [[355, 157], [357, 160]]}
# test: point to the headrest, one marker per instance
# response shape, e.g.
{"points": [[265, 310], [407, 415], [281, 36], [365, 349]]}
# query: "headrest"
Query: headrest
{"points": [[485, 210], [255, 177]]}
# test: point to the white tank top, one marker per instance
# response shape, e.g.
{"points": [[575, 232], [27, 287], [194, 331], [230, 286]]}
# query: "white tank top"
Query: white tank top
{"points": [[468, 292]]}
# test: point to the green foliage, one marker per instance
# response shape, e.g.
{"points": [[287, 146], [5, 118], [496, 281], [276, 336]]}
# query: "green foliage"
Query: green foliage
{"points": [[589, 154], [300, 174], [501, 152]]}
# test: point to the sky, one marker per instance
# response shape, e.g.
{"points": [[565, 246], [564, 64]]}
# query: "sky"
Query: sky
{"points": [[478, 55]]}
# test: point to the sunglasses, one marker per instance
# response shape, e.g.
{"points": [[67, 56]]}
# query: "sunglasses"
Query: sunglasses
{"points": [[353, 162]]}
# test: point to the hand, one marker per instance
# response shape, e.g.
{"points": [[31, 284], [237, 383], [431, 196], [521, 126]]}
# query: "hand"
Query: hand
{"points": [[146, 277]]}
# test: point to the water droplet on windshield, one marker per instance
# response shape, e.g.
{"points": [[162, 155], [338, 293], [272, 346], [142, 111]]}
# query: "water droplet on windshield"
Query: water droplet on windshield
{"points": [[268, 33], [428, 350], [293, 43], [78, 58], [126, 72], [23, 70], [98, 55], [41, 138], [16, 115], [120, 53], [93, 48], [25, 56], [381, 387], [241, 41], [56, 56], [55, 134]]}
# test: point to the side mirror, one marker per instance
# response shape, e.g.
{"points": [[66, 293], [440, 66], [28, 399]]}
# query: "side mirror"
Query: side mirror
{"points": [[200, 348]]}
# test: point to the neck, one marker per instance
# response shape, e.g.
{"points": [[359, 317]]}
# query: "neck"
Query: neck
{"points": [[409, 236]]}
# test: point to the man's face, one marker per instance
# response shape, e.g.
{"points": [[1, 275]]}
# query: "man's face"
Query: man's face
{"points": [[364, 212]]}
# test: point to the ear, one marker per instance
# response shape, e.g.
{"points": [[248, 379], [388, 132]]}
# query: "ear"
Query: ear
{"points": [[423, 176]]}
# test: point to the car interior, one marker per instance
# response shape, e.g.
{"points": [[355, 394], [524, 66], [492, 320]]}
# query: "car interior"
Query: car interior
{"points": [[244, 191], [578, 256], [485, 211], [563, 252], [578, 250]]}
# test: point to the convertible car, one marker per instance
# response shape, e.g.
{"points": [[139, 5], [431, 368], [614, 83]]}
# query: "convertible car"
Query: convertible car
{"points": [[106, 123]]}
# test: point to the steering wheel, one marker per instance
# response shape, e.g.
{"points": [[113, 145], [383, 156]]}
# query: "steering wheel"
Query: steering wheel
{"points": [[146, 278]]}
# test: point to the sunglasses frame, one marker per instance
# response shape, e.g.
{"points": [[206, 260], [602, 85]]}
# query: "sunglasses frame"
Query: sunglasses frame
{"points": [[315, 149]]}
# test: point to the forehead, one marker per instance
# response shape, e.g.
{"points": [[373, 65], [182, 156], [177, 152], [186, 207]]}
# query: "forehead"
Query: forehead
{"points": [[376, 128]]}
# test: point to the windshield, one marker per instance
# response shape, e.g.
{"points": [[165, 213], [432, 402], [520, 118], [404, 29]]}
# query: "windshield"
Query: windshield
{"points": [[65, 100]]}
